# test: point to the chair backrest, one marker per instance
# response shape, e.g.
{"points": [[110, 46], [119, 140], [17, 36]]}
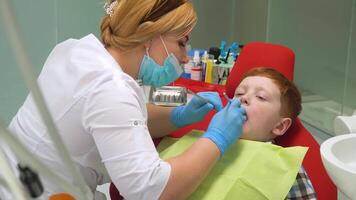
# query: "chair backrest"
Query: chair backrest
{"points": [[258, 54], [281, 58]]}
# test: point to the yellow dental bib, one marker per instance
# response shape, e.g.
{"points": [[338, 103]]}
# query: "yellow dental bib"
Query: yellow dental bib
{"points": [[249, 170]]}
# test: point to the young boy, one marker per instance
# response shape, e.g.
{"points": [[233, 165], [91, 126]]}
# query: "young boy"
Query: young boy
{"points": [[272, 103]]}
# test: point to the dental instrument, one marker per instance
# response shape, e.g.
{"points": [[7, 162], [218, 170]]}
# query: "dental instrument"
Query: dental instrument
{"points": [[227, 97], [200, 97]]}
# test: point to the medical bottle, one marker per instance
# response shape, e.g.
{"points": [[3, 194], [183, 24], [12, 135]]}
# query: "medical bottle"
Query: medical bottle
{"points": [[204, 61], [196, 58], [223, 49], [187, 69], [196, 71], [234, 50], [209, 71]]}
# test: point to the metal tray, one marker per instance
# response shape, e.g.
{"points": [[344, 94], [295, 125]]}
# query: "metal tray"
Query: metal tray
{"points": [[168, 96]]}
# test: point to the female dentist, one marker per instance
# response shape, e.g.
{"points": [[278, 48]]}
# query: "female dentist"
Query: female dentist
{"points": [[99, 109]]}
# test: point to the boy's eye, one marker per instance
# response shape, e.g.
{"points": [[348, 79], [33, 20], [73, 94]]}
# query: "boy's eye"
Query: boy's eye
{"points": [[261, 98]]}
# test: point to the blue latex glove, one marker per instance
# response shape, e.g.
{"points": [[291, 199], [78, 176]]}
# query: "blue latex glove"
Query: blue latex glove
{"points": [[196, 109], [226, 126]]}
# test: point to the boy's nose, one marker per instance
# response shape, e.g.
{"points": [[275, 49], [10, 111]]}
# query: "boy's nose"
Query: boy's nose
{"points": [[244, 100]]}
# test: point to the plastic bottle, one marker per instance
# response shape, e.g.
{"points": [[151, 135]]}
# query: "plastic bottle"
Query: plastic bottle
{"points": [[196, 71], [209, 71], [187, 69], [223, 48], [235, 50], [196, 58], [204, 61]]}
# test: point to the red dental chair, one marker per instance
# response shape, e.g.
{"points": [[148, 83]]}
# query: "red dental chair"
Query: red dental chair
{"points": [[259, 54]]}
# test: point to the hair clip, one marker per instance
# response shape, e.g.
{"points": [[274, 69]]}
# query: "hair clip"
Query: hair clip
{"points": [[109, 7]]}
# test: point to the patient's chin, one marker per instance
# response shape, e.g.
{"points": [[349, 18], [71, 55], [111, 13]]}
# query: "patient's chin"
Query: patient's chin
{"points": [[245, 129], [245, 134], [248, 138]]}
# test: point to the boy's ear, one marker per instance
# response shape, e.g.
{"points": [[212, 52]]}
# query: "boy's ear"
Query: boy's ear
{"points": [[282, 126]]}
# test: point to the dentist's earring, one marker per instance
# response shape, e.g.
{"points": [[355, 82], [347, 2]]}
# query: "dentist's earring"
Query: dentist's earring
{"points": [[147, 46], [148, 54]]}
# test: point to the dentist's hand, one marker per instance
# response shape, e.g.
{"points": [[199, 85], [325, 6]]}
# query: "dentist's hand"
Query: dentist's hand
{"points": [[196, 109], [226, 126]]}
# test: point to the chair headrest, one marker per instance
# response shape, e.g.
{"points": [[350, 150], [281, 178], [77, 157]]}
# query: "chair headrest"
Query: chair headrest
{"points": [[260, 54]]}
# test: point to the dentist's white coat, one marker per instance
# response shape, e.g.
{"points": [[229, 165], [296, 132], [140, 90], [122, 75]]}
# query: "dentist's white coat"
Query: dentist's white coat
{"points": [[101, 115]]}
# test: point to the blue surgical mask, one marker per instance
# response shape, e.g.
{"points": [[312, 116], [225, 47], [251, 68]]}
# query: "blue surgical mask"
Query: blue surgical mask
{"points": [[157, 75]]}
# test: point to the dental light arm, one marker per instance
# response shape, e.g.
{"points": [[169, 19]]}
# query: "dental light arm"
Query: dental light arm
{"points": [[10, 179], [24, 156], [30, 80]]}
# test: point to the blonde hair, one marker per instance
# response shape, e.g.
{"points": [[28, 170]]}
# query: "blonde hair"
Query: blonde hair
{"points": [[126, 28]]}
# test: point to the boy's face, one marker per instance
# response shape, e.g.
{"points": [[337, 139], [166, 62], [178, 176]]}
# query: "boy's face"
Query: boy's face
{"points": [[261, 98]]}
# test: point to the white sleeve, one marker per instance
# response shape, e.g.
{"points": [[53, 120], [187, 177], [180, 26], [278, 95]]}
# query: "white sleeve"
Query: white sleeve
{"points": [[114, 118]]}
